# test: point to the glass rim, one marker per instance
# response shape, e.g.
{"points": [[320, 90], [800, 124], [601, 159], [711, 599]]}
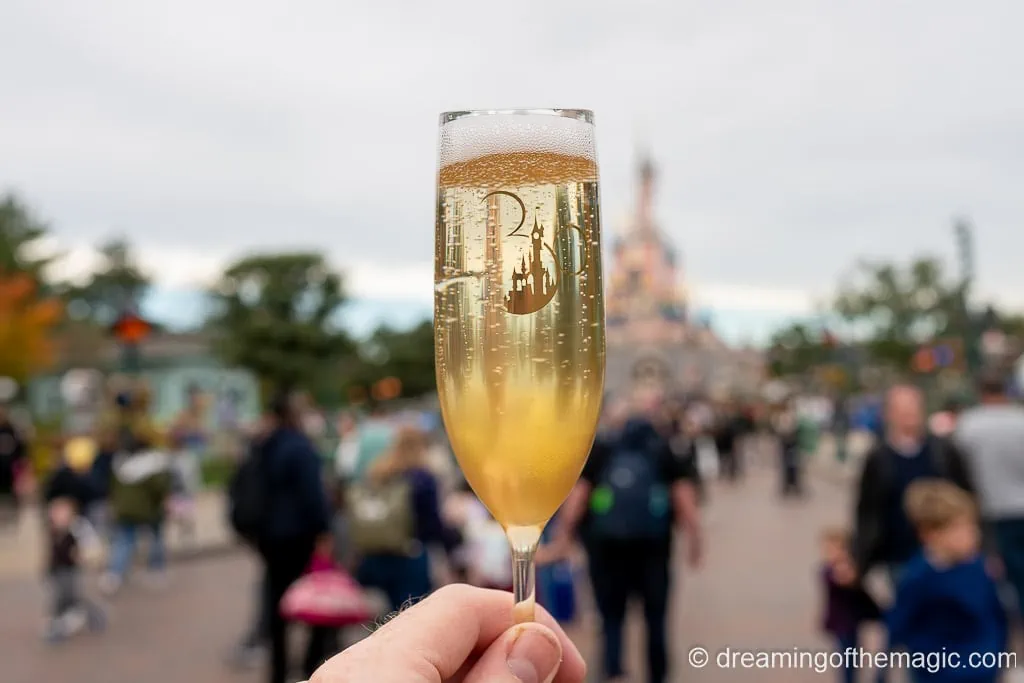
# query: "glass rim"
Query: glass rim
{"points": [[585, 115]]}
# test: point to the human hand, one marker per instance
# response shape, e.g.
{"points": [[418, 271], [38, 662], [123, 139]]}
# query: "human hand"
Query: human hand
{"points": [[460, 634]]}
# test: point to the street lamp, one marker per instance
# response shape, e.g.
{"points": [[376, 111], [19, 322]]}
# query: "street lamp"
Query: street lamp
{"points": [[965, 250], [130, 330]]}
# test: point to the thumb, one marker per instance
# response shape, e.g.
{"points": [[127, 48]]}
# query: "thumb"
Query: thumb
{"points": [[526, 653]]}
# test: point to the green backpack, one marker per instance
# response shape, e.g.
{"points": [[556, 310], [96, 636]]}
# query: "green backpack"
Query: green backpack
{"points": [[381, 519]]}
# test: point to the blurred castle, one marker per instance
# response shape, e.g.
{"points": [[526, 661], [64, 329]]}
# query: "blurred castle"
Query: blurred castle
{"points": [[652, 340]]}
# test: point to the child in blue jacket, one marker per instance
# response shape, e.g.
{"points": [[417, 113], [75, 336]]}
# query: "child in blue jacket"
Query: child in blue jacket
{"points": [[947, 612]]}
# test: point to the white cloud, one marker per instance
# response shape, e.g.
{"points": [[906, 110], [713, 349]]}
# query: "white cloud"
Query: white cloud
{"points": [[760, 299], [403, 283], [791, 136]]}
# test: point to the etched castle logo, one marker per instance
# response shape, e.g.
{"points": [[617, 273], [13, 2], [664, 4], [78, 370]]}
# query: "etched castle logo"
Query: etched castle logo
{"points": [[532, 284]]}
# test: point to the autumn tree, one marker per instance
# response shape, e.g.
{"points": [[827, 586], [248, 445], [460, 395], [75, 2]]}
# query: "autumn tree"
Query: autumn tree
{"points": [[276, 315], [27, 321]]}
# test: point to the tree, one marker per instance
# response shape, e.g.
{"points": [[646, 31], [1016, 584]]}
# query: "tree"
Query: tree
{"points": [[118, 284], [797, 349], [20, 232], [897, 307], [26, 326], [407, 355], [274, 314]]}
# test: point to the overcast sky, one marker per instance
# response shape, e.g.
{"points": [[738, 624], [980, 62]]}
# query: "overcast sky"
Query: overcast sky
{"points": [[790, 136]]}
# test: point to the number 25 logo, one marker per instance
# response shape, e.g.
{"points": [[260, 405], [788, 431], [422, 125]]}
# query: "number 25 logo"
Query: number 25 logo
{"points": [[534, 283]]}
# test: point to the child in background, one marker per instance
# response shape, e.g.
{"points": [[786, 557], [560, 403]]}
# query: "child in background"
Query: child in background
{"points": [[946, 601], [69, 537], [486, 557], [847, 604], [186, 481], [556, 582], [72, 479]]}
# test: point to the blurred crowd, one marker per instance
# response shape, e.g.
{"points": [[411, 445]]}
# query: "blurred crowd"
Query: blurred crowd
{"points": [[386, 508]]}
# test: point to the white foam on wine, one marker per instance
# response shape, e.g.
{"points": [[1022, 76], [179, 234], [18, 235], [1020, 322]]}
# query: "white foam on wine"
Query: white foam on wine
{"points": [[472, 137]]}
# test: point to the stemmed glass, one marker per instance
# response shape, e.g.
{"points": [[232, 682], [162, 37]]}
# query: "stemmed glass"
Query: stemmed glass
{"points": [[519, 312]]}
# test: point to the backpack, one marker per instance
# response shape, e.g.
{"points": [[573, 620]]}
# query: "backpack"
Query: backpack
{"points": [[630, 500], [248, 496], [381, 519]]}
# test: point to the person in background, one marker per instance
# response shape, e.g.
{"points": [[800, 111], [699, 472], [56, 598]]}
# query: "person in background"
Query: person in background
{"points": [[683, 441], [142, 482], [556, 581], [394, 546], [883, 534], [943, 423], [13, 459], [376, 436], [946, 602], [726, 435], [992, 438], [847, 605], [71, 609], [72, 479], [460, 511], [298, 520], [248, 653], [189, 440], [786, 425], [631, 491], [346, 456]]}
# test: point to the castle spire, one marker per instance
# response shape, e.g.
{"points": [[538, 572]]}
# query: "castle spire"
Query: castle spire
{"points": [[645, 194]]}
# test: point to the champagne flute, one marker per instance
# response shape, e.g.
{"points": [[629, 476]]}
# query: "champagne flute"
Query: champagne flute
{"points": [[519, 313]]}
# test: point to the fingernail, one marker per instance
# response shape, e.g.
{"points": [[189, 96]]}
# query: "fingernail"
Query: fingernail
{"points": [[534, 656]]}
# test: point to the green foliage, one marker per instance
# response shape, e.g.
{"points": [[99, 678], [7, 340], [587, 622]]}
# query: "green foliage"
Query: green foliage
{"points": [[20, 232], [116, 285], [274, 314], [405, 354], [796, 349], [899, 306]]}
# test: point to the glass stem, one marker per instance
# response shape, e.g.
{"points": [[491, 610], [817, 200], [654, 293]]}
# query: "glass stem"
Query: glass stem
{"points": [[523, 541], [524, 584]]}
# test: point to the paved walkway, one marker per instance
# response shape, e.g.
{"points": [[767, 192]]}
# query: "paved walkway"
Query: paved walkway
{"points": [[757, 591]]}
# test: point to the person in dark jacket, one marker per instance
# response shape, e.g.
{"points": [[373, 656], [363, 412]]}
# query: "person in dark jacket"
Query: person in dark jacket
{"points": [[633, 490], [786, 425], [71, 483], [298, 518], [883, 535], [13, 457], [248, 653]]}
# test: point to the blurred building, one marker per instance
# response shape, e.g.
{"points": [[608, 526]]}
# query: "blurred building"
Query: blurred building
{"points": [[173, 366], [653, 340]]}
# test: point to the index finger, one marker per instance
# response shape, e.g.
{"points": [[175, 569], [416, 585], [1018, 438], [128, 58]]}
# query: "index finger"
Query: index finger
{"points": [[429, 642]]}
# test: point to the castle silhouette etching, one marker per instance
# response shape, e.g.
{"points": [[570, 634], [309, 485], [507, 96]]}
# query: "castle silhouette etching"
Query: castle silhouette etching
{"points": [[532, 284]]}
